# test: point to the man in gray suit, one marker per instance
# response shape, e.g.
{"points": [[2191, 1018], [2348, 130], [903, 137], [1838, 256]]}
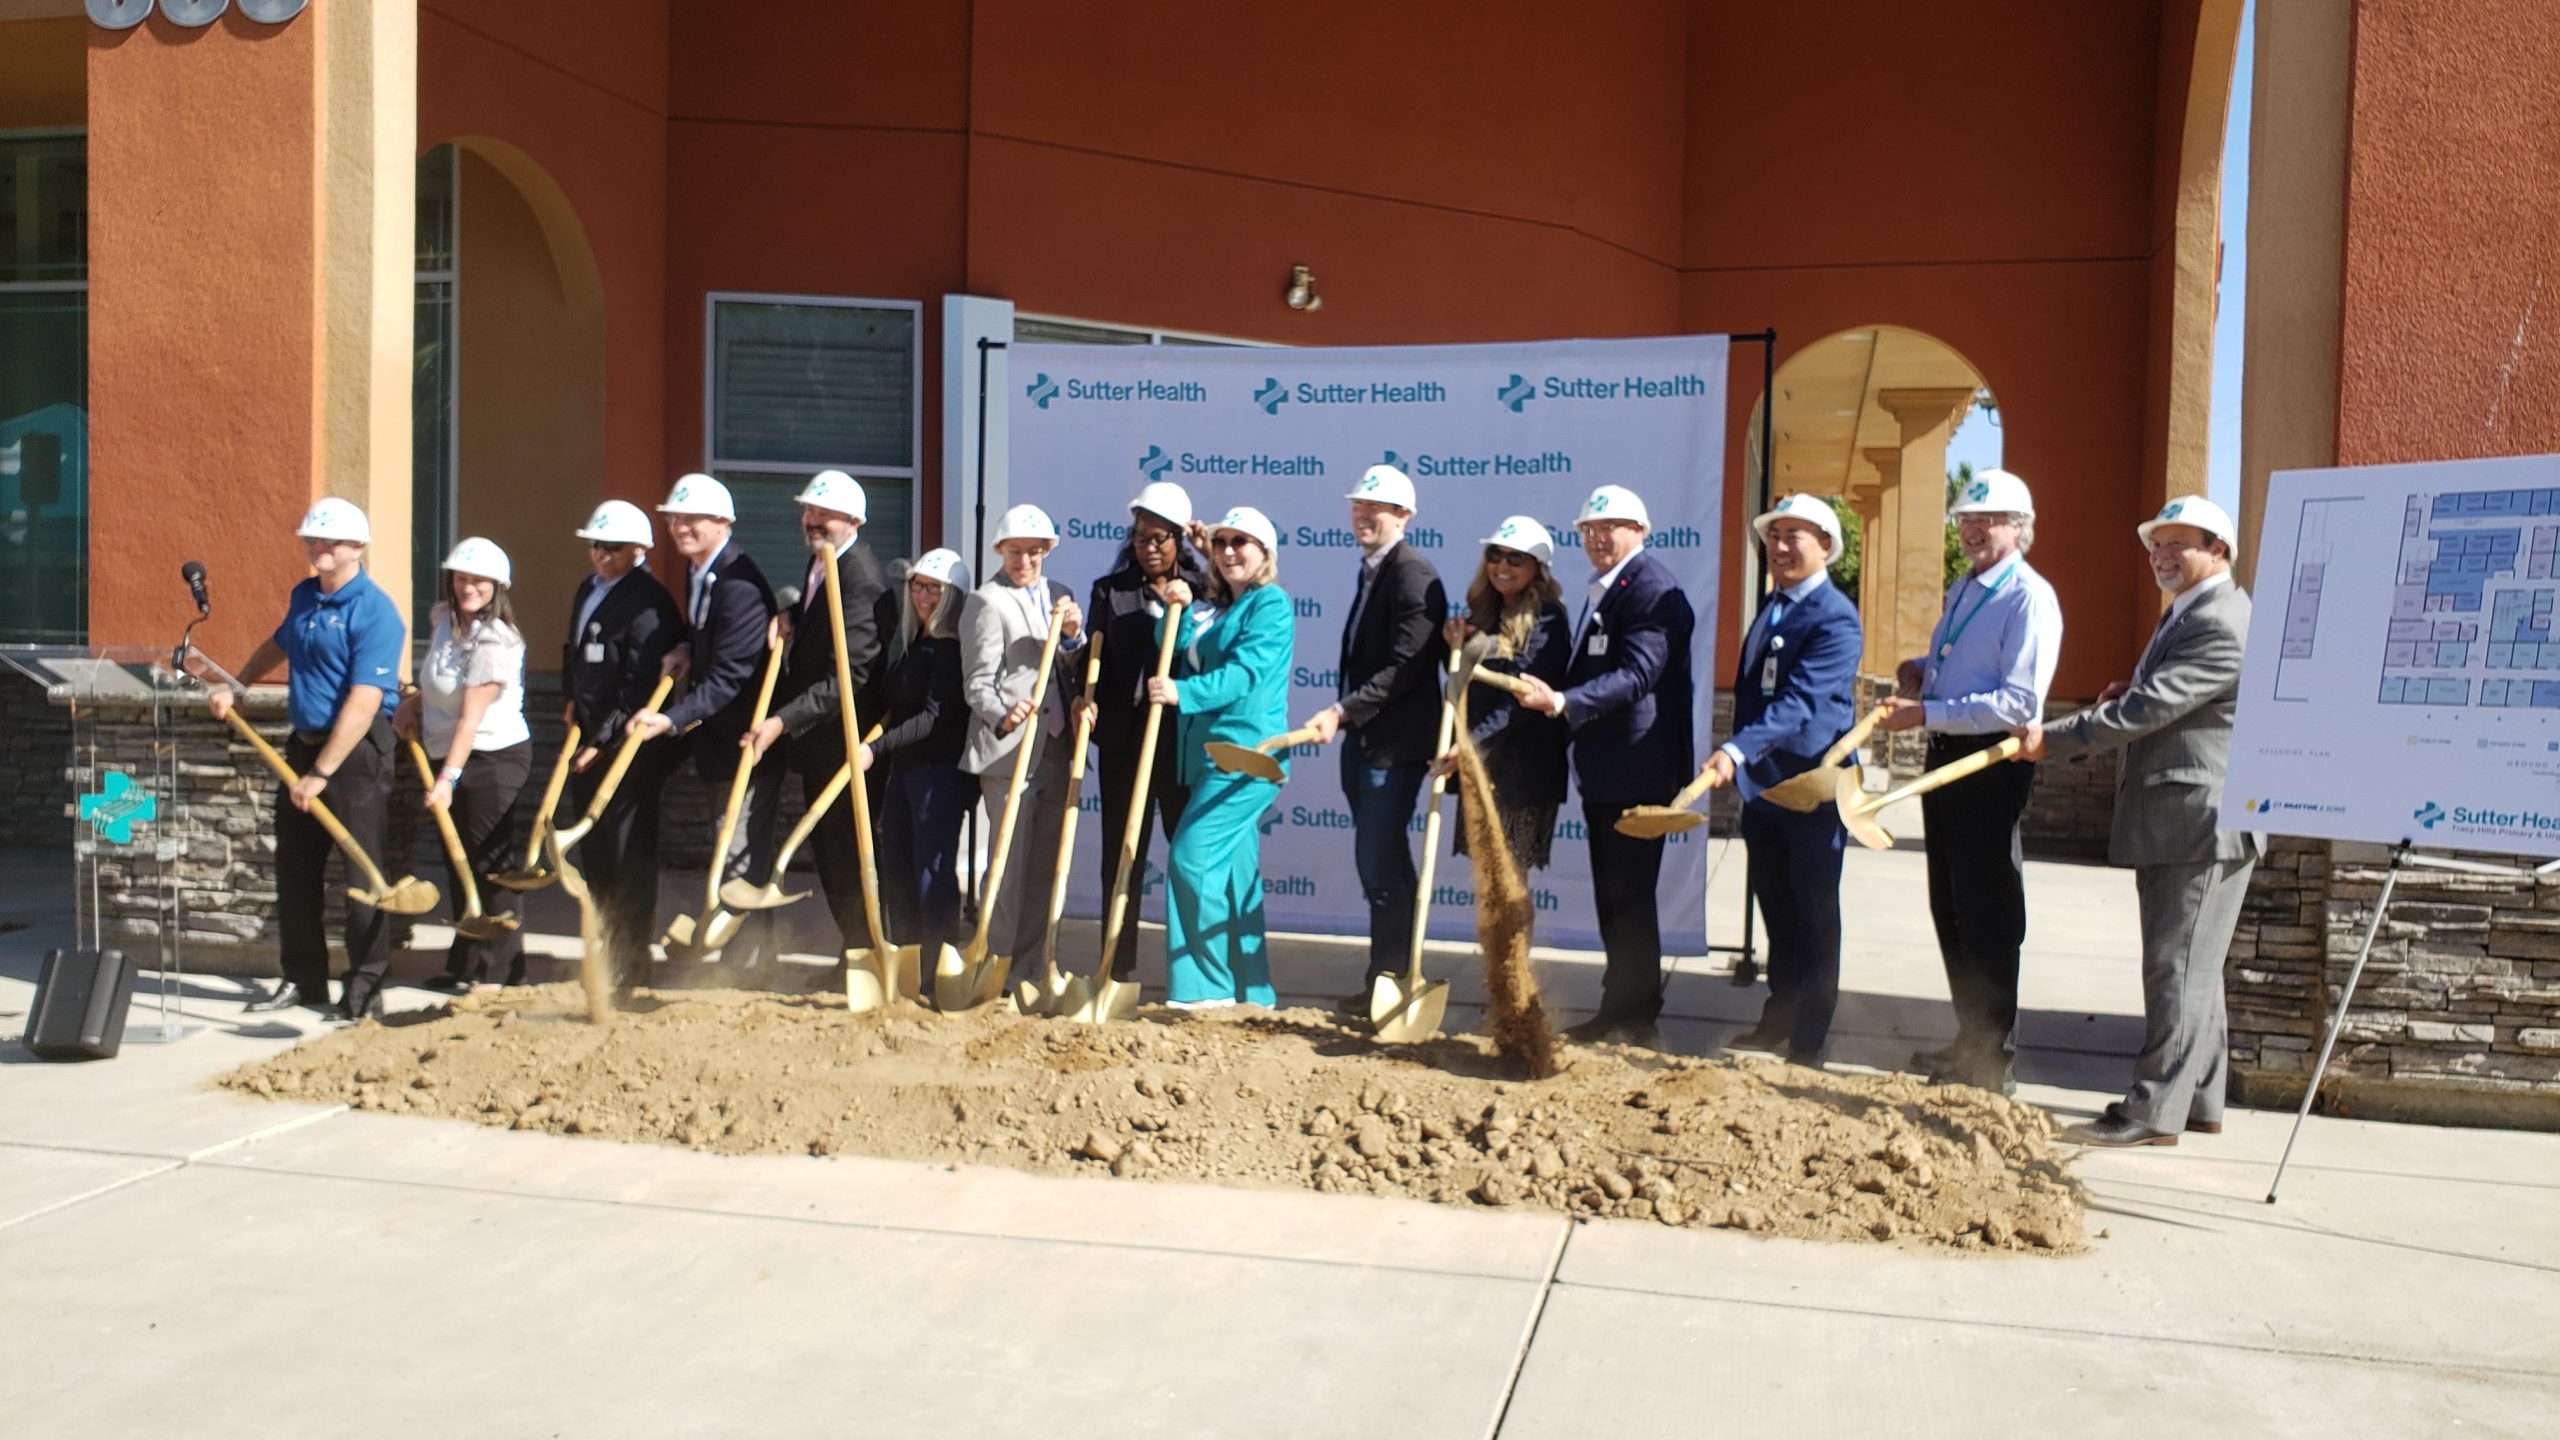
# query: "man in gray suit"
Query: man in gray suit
{"points": [[1003, 629], [2173, 722]]}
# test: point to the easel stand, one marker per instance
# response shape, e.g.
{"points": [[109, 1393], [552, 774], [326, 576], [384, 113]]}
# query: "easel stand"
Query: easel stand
{"points": [[2403, 856]]}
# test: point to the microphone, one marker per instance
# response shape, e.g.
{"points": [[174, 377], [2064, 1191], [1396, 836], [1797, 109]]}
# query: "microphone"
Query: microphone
{"points": [[193, 573]]}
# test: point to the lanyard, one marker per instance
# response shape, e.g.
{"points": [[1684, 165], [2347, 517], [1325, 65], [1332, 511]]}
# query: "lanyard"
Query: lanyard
{"points": [[1956, 632]]}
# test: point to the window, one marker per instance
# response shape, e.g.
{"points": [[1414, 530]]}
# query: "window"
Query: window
{"points": [[44, 387], [433, 378], [799, 384], [1049, 330]]}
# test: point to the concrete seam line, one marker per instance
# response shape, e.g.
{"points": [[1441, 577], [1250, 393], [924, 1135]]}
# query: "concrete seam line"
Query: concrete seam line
{"points": [[2223, 1343], [279, 1128], [1529, 1331], [880, 1227], [112, 1185]]}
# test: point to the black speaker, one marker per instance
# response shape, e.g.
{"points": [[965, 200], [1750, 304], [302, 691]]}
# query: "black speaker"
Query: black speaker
{"points": [[81, 999]]}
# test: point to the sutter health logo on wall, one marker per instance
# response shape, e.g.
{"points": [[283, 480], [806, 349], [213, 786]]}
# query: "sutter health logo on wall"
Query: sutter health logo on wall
{"points": [[1274, 393], [1042, 391], [1159, 462], [1515, 394]]}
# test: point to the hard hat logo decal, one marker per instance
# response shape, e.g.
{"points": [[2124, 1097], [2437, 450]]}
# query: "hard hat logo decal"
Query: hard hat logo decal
{"points": [[1515, 394], [1599, 504], [1978, 491], [1154, 463], [1041, 390], [1271, 396]]}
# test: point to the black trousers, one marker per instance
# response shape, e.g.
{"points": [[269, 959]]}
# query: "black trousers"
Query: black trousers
{"points": [[1978, 892], [1118, 771], [619, 858], [751, 845], [359, 795], [1624, 874], [1795, 876], [838, 854], [484, 816]]}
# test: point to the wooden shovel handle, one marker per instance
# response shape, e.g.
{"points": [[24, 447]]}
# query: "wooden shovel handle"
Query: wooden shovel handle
{"points": [[1075, 794], [551, 797], [864, 862], [1303, 735], [452, 838], [1003, 851], [1431, 835], [631, 742], [744, 774], [1691, 793], [1129, 833], [1856, 737], [1947, 774], [319, 811], [1500, 680]]}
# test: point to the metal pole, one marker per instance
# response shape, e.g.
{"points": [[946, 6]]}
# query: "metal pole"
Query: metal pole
{"points": [[2338, 1021]]}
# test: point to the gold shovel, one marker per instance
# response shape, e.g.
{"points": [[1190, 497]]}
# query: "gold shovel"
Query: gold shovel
{"points": [[1104, 998], [745, 894], [531, 876], [689, 940], [1857, 810], [1038, 997], [1406, 1008], [470, 922], [1824, 784], [1652, 822], [965, 978], [562, 840], [407, 895], [874, 977], [1256, 760]]}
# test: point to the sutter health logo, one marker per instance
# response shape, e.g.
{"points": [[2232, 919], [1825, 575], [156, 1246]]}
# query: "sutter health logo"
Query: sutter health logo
{"points": [[1275, 394], [1043, 390], [2428, 815], [1158, 462], [1271, 396], [1516, 394]]}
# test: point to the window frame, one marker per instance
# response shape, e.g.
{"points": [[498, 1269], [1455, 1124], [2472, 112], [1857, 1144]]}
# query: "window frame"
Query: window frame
{"points": [[448, 484], [79, 287], [1155, 335], [912, 474]]}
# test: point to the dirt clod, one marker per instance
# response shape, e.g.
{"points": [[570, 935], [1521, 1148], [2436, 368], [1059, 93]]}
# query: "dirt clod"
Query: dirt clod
{"points": [[1292, 1099]]}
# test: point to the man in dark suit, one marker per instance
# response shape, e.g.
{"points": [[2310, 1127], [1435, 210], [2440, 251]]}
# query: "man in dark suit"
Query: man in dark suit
{"points": [[1791, 700], [1627, 700], [622, 626], [2173, 723], [731, 611], [1389, 682], [832, 510]]}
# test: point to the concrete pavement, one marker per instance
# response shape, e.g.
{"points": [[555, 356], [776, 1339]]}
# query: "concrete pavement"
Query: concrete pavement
{"points": [[184, 1261]]}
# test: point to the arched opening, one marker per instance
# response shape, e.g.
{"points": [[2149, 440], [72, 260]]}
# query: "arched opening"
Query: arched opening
{"points": [[1879, 419], [508, 388]]}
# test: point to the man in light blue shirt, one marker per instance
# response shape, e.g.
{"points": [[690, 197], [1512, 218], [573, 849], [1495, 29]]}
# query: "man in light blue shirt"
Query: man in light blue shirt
{"points": [[1990, 662]]}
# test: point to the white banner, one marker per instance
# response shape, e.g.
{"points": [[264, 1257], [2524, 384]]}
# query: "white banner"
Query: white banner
{"points": [[1486, 431], [2403, 671]]}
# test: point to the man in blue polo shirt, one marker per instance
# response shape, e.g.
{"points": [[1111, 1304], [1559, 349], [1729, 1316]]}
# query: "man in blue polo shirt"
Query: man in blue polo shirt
{"points": [[1989, 666], [344, 640]]}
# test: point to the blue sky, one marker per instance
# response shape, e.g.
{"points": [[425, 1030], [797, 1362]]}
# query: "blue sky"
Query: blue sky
{"points": [[1979, 440]]}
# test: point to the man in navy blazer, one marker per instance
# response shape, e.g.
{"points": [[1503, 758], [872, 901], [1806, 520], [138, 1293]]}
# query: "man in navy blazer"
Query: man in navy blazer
{"points": [[731, 610], [1791, 700], [1627, 702]]}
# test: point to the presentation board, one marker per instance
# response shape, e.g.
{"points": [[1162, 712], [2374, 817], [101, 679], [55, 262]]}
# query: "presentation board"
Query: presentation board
{"points": [[1485, 431], [2403, 670]]}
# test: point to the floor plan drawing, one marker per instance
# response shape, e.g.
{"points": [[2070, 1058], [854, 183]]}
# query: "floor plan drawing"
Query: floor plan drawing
{"points": [[2473, 601], [2312, 553]]}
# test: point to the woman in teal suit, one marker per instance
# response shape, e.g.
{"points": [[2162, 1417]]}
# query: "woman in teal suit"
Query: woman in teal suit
{"points": [[1232, 683]]}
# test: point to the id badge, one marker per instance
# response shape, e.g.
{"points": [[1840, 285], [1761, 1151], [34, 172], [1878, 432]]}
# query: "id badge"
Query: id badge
{"points": [[593, 654], [1769, 676], [1599, 642]]}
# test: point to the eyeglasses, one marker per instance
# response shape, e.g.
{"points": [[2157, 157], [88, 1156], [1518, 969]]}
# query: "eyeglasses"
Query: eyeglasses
{"points": [[1151, 539], [606, 547], [1496, 555], [1230, 542]]}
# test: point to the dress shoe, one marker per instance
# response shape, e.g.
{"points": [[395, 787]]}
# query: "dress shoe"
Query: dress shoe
{"points": [[1937, 1064], [1746, 973], [2204, 1127], [285, 996], [1602, 1031], [447, 984], [1356, 1003], [349, 1011], [1809, 1059], [2114, 1128], [1767, 1037]]}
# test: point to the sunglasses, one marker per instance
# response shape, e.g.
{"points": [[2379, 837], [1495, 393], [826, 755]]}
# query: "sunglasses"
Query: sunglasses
{"points": [[606, 547], [1496, 555], [1231, 542]]}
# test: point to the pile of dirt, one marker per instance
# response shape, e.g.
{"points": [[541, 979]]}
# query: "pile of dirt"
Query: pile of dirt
{"points": [[1234, 1097]]}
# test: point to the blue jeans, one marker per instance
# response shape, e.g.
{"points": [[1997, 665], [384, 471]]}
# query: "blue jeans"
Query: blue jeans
{"points": [[1382, 799]]}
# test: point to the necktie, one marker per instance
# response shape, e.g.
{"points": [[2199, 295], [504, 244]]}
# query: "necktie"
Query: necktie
{"points": [[1770, 615], [1359, 602], [2151, 651]]}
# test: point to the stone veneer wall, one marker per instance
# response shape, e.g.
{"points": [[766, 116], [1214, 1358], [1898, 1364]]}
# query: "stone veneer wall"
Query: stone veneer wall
{"points": [[35, 790], [2070, 809]]}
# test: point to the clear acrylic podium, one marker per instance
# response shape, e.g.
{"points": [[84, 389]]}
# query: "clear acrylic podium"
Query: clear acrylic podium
{"points": [[130, 821]]}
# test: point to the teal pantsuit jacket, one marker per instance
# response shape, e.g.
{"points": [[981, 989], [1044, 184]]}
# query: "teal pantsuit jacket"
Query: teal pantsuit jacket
{"points": [[1231, 683]]}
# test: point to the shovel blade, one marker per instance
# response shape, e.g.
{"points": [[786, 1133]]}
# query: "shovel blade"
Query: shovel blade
{"points": [[564, 839], [1815, 788], [956, 976], [524, 879], [1419, 1017], [1243, 760], [679, 941], [721, 928], [1863, 828], [486, 927], [1074, 1001], [407, 895], [1652, 822], [744, 894], [869, 982]]}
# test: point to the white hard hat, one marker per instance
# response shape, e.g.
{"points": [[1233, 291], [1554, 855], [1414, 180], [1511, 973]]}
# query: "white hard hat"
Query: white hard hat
{"points": [[335, 519], [618, 522], [2193, 510], [1995, 492], [1614, 502], [1386, 485], [1245, 520], [942, 566], [837, 491], [1026, 522], [1166, 500], [699, 494], [1812, 510], [475, 556], [1526, 535]]}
